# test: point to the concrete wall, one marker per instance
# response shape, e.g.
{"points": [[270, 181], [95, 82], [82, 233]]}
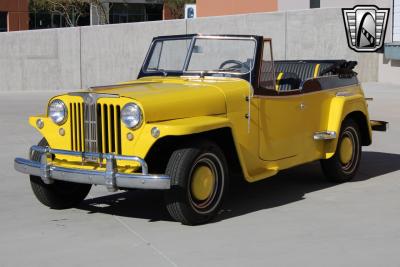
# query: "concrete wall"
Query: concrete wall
{"points": [[389, 70], [40, 60], [285, 5], [271, 25], [322, 36], [114, 53], [352, 3], [81, 57]]}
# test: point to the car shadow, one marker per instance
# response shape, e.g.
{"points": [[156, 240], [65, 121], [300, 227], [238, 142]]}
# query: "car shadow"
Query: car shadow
{"points": [[287, 187]]}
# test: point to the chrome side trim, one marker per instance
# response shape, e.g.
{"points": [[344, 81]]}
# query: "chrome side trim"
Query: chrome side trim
{"points": [[327, 135], [109, 178], [344, 94]]}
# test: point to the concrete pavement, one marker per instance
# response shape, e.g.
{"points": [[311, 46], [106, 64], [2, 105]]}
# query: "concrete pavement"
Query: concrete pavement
{"points": [[293, 219]]}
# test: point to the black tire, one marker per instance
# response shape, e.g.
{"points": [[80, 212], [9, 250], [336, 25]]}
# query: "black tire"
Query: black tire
{"points": [[336, 169], [59, 194], [182, 203]]}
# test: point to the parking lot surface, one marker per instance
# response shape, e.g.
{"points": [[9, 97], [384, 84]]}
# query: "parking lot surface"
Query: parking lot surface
{"points": [[293, 219]]}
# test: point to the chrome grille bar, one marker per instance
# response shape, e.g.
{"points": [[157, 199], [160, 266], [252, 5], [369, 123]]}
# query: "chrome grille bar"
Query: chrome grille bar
{"points": [[95, 127], [90, 125]]}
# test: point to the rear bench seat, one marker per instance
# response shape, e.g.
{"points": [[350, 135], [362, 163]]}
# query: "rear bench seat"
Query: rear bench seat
{"points": [[291, 74]]}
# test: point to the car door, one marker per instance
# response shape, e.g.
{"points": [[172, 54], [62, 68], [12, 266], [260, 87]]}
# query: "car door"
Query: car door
{"points": [[280, 114], [280, 127]]}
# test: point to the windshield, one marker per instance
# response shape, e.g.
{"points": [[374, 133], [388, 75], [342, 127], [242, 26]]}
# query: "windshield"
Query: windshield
{"points": [[202, 54]]}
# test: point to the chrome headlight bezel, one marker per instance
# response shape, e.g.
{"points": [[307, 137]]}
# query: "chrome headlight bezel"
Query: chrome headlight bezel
{"points": [[57, 111], [132, 116]]}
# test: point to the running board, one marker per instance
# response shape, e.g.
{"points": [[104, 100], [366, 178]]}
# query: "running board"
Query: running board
{"points": [[327, 135]]}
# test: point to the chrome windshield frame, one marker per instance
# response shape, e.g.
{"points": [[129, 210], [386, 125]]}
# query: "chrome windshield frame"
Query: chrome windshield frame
{"points": [[212, 37], [193, 38]]}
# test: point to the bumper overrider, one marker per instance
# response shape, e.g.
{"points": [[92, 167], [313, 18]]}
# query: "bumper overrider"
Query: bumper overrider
{"points": [[111, 178]]}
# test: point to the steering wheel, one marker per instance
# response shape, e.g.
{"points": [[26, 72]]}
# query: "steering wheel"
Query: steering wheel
{"points": [[237, 65]]}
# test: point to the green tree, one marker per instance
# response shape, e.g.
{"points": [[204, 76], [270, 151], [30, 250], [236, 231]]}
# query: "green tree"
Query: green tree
{"points": [[177, 7], [71, 10]]}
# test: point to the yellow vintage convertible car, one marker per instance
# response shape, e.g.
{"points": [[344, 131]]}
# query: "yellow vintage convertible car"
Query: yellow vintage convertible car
{"points": [[203, 109]]}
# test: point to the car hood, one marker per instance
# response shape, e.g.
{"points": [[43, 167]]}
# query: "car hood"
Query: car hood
{"points": [[166, 99]]}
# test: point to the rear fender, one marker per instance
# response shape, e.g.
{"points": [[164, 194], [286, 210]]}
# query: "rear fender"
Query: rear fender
{"points": [[342, 108]]}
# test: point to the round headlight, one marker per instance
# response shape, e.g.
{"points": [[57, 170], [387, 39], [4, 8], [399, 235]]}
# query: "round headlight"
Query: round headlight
{"points": [[131, 115], [57, 111]]}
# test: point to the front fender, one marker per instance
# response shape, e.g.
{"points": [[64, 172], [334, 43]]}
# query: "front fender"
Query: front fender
{"points": [[342, 107], [177, 127]]}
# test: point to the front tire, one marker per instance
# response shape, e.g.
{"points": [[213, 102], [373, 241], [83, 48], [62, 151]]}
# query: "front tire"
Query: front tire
{"points": [[343, 166], [199, 181], [59, 194]]}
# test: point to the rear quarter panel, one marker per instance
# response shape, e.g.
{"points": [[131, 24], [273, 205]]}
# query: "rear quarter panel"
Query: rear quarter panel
{"points": [[347, 100]]}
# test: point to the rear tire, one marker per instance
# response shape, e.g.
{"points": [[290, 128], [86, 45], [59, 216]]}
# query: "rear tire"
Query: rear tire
{"points": [[199, 183], [59, 194], [343, 165]]}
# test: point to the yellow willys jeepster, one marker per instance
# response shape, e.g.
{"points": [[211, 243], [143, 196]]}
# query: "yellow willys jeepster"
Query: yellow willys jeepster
{"points": [[203, 109]]}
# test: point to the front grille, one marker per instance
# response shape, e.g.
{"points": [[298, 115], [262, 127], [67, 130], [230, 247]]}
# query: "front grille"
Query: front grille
{"points": [[77, 126], [95, 127], [109, 128]]}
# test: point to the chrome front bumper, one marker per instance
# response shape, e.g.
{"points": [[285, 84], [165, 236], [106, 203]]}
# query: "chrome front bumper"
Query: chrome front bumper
{"points": [[111, 178]]}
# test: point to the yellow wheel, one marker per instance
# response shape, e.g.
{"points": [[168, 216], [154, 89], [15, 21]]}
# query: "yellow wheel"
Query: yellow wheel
{"points": [[203, 183], [199, 181], [344, 164], [346, 150]]}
